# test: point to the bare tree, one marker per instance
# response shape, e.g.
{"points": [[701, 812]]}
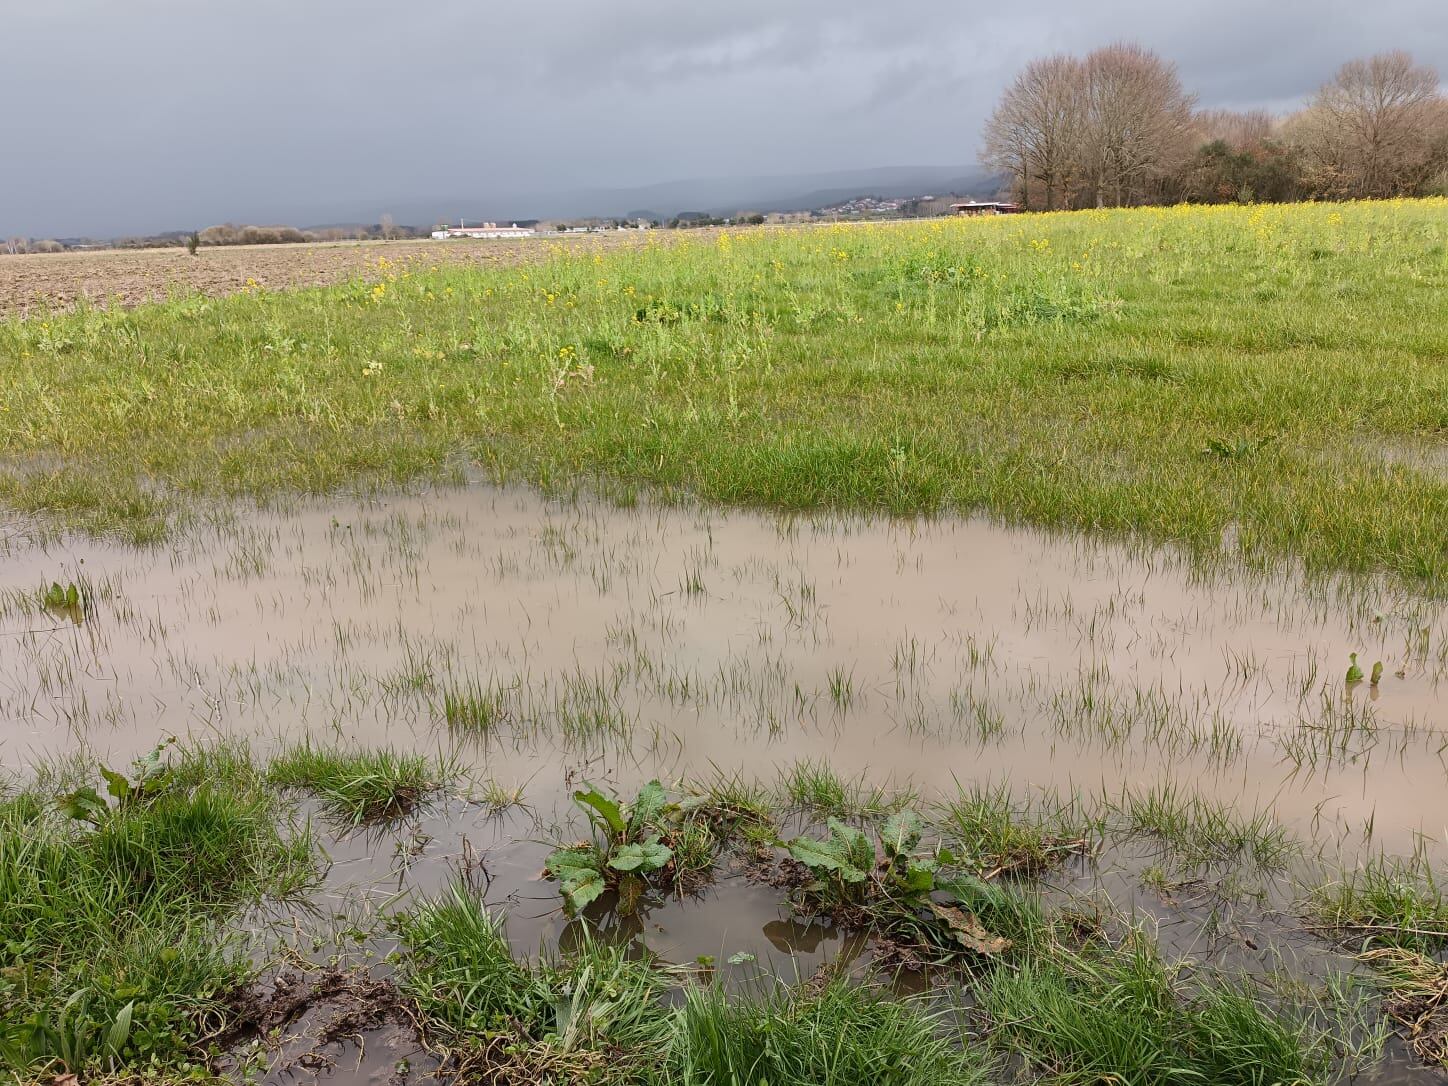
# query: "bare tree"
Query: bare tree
{"points": [[1005, 147], [389, 227], [1379, 128], [1035, 128], [1240, 131], [1139, 123]]}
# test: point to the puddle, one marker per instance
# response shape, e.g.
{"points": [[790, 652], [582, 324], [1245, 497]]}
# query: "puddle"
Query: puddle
{"points": [[578, 640], [543, 643]]}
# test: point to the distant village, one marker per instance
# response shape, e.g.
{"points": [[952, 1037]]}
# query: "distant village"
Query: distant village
{"points": [[857, 208]]}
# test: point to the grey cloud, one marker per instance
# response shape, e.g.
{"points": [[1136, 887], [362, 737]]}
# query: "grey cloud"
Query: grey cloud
{"points": [[138, 115]]}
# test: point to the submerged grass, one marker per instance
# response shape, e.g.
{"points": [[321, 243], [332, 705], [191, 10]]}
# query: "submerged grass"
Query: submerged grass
{"points": [[1188, 374], [1198, 832]]}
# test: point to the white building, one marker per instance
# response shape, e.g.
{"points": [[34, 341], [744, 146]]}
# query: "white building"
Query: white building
{"points": [[483, 230]]}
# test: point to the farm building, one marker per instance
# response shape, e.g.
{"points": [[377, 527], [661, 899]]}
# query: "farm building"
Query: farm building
{"points": [[483, 230], [990, 207]]}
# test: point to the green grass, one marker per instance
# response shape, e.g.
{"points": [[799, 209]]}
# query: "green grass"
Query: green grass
{"points": [[838, 1036], [1198, 832], [359, 787], [1275, 374], [118, 950], [600, 1016], [593, 1017], [1121, 1016], [819, 789], [1386, 903], [993, 836]]}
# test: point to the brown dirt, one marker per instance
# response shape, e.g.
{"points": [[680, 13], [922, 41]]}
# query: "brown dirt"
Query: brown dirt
{"points": [[320, 1022], [36, 283]]}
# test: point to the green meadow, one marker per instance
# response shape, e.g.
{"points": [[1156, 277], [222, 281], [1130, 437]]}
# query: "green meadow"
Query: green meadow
{"points": [[1269, 380]]}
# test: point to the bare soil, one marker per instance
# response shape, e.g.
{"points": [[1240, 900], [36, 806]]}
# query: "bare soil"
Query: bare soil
{"points": [[40, 282]]}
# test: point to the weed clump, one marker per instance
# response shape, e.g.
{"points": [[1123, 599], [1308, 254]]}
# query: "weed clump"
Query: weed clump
{"points": [[651, 842]]}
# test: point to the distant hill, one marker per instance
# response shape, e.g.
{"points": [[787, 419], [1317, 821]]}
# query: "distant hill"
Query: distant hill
{"points": [[718, 196]]}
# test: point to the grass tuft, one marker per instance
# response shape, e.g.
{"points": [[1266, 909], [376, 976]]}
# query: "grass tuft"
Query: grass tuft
{"points": [[593, 1017], [991, 835], [1122, 1017], [820, 790], [835, 1036], [1387, 903], [359, 787]]}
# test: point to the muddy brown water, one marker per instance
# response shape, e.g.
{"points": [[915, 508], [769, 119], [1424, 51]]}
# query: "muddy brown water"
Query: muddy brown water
{"points": [[619, 644]]}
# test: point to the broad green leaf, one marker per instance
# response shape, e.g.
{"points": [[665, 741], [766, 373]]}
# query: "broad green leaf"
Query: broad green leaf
{"points": [[149, 763], [854, 844], [901, 833], [595, 802], [116, 783], [825, 856], [120, 1031], [974, 892], [563, 862], [649, 856], [581, 891], [630, 890], [656, 855], [918, 879], [651, 801], [578, 874], [85, 805]]}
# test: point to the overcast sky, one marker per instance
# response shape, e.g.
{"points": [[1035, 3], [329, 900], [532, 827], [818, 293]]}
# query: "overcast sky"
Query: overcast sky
{"points": [[140, 115]]}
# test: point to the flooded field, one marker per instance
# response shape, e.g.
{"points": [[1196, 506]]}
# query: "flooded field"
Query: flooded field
{"points": [[536, 641], [1198, 725], [1097, 736]]}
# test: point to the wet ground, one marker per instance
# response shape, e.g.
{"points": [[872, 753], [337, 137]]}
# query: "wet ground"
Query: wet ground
{"points": [[541, 643]]}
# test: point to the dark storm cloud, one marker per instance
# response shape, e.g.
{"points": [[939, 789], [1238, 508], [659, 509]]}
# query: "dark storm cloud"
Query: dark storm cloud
{"points": [[134, 115]]}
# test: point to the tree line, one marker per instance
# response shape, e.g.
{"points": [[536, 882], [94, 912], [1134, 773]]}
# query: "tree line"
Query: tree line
{"points": [[219, 235], [1117, 128]]}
